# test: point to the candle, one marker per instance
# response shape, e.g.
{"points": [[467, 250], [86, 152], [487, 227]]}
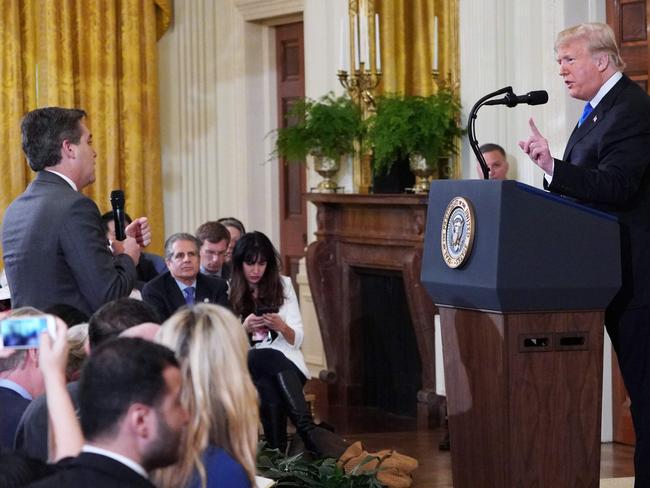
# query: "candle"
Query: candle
{"points": [[435, 43], [363, 32], [377, 44], [342, 45], [356, 41]]}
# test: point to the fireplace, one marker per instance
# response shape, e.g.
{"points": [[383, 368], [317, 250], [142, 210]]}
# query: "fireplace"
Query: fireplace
{"points": [[364, 243]]}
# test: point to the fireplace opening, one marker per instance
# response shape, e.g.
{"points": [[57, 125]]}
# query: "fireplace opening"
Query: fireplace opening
{"points": [[392, 371]]}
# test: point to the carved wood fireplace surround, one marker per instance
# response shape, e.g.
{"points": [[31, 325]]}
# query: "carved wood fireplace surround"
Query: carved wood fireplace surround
{"points": [[377, 232]]}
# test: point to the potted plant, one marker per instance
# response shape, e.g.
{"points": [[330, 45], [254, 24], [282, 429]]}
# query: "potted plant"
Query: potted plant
{"points": [[325, 129], [422, 129]]}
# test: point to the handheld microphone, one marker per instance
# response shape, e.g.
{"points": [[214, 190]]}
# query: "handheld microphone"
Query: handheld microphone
{"points": [[537, 97], [117, 202]]}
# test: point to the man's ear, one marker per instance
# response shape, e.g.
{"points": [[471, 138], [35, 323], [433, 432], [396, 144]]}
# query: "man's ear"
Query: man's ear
{"points": [[67, 149], [31, 356], [602, 61], [141, 420]]}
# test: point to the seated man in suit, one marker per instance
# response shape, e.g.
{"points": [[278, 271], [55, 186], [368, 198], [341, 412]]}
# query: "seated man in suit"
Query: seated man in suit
{"points": [[215, 239], [20, 381], [131, 416], [106, 323], [183, 284]]}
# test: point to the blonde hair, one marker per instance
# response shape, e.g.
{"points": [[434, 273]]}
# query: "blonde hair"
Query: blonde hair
{"points": [[77, 336], [212, 348], [599, 37]]}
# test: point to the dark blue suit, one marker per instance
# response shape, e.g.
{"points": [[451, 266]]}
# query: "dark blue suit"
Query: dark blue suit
{"points": [[89, 469], [12, 406], [166, 297], [606, 165]]}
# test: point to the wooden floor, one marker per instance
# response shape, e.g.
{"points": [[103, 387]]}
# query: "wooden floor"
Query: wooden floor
{"points": [[378, 430]]}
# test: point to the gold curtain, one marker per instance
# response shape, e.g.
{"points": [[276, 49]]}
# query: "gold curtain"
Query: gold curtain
{"points": [[98, 55], [407, 44]]}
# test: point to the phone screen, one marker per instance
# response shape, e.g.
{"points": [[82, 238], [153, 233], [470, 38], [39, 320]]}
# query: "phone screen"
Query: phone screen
{"points": [[23, 332]]}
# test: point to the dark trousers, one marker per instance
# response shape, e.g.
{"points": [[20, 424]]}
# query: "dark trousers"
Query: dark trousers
{"points": [[630, 334], [264, 365]]}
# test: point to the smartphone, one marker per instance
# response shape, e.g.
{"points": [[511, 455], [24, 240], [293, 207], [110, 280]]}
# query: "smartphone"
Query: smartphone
{"points": [[25, 332], [259, 311]]}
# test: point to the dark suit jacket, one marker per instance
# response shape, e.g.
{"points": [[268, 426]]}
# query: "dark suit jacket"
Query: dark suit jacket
{"points": [[89, 469], [12, 406], [166, 297], [606, 165], [31, 433], [55, 250]]}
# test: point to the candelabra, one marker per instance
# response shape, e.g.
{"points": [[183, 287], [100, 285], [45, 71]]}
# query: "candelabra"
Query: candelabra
{"points": [[363, 76]]}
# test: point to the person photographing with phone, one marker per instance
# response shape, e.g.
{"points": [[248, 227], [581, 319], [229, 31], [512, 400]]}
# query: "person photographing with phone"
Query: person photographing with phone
{"points": [[268, 306]]}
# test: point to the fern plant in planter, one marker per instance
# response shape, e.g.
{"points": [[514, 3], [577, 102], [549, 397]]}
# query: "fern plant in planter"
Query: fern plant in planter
{"points": [[326, 129], [419, 128]]}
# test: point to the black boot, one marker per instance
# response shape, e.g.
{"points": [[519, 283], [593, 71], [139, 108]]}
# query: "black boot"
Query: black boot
{"points": [[274, 422], [321, 442]]}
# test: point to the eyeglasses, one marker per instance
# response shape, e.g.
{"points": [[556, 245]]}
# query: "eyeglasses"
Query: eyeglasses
{"points": [[214, 254]]}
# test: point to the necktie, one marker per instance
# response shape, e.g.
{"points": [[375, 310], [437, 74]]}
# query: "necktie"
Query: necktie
{"points": [[189, 295], [585, 113]]}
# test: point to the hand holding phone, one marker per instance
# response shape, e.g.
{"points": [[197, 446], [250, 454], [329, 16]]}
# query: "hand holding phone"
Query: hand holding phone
{"points": [[24, 332]]}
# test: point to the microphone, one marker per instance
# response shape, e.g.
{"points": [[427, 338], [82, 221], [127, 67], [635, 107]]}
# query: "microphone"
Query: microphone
{"points": [[117, 202], [537, 97]]}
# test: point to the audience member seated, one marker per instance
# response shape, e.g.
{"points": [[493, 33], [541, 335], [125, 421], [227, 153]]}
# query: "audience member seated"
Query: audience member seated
{"points": [[215, 240], [108, 322], [236, 230], [136, 428], [220, 446], [79, 348], [20, 382], [18, 470], [183, 284], [495, 158], [149, 266], [69, 314], [268, 306]]}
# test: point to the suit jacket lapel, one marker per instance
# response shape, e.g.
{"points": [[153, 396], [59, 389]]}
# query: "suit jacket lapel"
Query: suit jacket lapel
{"points": [[175, 294], [596, 117]]}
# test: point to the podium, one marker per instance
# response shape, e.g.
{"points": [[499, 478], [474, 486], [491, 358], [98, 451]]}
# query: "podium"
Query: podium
{"points": [[522, 331]]}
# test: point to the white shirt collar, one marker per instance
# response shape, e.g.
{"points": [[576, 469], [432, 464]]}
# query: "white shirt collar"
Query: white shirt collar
{"points": [[70, 182], [608, 85], [12, 385], [117, 457]]}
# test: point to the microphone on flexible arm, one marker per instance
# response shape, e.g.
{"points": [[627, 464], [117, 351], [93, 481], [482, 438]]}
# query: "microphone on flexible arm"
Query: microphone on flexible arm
{"points": [[117, 202], [537, 97]]}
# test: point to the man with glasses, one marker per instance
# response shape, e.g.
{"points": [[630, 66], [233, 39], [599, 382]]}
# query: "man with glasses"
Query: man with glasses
{"points": [[215, 239]]}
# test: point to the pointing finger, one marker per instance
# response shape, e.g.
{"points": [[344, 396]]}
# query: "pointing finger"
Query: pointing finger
{"points": [[533, 127]]}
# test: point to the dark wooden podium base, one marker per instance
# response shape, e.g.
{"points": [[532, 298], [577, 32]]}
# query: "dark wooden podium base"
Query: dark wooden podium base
{"points": [[523, 397]]}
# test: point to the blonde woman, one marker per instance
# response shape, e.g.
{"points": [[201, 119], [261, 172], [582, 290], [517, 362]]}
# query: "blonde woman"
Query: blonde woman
{"points": [[220, 445]]}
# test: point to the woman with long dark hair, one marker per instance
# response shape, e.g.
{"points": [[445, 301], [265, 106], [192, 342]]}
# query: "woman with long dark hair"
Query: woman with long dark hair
{"points": [[268, 307]]}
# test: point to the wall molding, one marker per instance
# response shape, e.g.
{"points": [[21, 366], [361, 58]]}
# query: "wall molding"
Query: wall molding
{"points": [[265, 11]]}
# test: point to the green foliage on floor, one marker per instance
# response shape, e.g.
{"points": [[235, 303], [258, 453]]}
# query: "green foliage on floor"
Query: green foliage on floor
{"points": [[324, 473]]}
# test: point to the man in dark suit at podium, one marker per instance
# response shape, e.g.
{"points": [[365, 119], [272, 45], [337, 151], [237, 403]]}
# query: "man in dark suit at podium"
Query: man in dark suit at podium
{"points": [[606, 165]]}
